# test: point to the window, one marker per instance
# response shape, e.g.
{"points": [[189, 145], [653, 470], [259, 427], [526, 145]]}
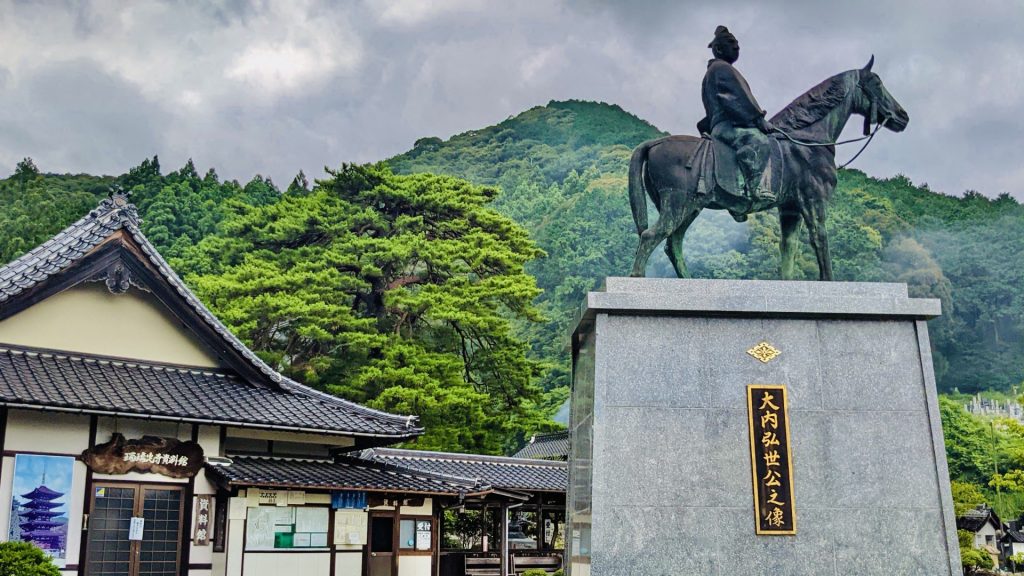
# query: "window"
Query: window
{"points": [[414, 533], [286, 527]]}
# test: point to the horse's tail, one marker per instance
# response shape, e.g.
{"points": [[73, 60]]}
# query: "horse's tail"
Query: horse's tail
{"points": [[637, 193]]}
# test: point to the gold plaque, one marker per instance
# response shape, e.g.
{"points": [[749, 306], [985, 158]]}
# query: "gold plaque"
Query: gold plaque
{"points": [[764, 352], [771, 462]]}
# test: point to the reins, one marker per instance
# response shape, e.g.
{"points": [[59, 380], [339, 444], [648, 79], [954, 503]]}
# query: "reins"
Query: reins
{"points": [[839, 143]]}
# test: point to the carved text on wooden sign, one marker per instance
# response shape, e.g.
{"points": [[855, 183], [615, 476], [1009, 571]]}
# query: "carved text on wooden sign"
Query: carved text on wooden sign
{"points": [[154, 454]]}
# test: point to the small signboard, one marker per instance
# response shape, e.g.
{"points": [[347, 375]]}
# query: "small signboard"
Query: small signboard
{"points": [[201, 535], [135, 528], [423, 534], [771, 462]]}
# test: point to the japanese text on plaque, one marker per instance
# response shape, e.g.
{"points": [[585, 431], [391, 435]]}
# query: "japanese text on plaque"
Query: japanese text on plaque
{"points": [[771, 462]]}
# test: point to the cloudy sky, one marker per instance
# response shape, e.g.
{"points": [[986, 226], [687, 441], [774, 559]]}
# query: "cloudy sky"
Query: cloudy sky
{"points": [[277, 85]]}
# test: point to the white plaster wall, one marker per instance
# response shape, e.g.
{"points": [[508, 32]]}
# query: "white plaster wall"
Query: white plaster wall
{"points": [[414, 565], [51, 432], [987, 530], [234, 545], [287, 563], [425, 510], [348, 564], [141, 327]]}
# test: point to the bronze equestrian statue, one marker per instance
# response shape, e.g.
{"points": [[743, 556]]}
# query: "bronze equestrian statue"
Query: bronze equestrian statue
{"points": [[745, 164]]}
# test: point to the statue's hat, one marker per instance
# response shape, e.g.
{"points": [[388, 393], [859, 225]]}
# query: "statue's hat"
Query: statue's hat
{"points": [[721, 33]]}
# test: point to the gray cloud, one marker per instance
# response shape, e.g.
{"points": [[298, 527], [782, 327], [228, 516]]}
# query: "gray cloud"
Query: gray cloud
{"points": [[273, 87]]}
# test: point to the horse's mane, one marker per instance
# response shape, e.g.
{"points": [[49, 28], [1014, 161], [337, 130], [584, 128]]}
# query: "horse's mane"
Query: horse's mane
{"points": [[816, 103]]}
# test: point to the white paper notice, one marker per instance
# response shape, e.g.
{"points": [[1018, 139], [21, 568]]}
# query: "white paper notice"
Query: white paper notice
{"points": [[301, 540], [350, 526], [318, 540], [423, 539], [311, 520], [135, 528], [259, 529]]}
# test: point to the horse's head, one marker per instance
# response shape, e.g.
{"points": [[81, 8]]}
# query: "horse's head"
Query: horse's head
{"points": [[876, 104]]}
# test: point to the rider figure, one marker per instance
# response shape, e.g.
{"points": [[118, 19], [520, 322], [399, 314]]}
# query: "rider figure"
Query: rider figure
{"points": [[734, 116]]}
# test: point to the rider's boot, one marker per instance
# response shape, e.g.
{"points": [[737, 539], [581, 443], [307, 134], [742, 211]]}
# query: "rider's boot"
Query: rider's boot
{"points": [[764, 193]]}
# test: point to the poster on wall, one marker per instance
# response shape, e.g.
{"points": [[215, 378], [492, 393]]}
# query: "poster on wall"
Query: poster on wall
{"points": [[39, 504]]}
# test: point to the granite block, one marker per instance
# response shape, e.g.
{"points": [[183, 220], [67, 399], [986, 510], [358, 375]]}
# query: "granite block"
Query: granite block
{"points": [[892, 541], [809, 553], [871, 365], [731, 368], [660, 472], [757, 298], [656, 541], [690, 457], [653, 362]]}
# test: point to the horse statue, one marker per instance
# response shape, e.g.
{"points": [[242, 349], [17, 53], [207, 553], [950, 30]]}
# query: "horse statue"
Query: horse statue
{"points": [[679, 175]]}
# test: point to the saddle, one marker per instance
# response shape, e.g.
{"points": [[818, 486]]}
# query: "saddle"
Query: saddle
{"points": [[715, 162]]}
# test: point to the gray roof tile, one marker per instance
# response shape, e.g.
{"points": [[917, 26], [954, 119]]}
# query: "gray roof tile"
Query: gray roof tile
{"points": [[55, 380], [344, 474], [551, 446], [497, 471]]}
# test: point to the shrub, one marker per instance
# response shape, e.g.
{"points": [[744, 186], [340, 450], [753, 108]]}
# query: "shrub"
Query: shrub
{"points": [[24, 559]]}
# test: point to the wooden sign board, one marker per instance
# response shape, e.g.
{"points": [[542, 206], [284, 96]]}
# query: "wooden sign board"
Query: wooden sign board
{"points": [[154, 454], [771, 462]]}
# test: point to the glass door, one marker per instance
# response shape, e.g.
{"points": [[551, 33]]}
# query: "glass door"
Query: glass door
{"points": [[160, 547], [110, 550]]}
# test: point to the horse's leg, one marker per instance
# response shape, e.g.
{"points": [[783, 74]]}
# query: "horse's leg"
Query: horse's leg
{"points": [[789, 244], [671, 214], [674, 245], [813, 211]]}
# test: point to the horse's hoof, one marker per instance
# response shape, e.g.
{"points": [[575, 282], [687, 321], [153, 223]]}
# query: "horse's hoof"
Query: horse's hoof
{"points": [[737, 216]]}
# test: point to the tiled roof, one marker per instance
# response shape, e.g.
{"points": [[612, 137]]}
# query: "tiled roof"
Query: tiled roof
{"points": [[497, 471], [60, 253], [551, 446], [1014, 536], [344, 474], [56, 380], [974, 520]]}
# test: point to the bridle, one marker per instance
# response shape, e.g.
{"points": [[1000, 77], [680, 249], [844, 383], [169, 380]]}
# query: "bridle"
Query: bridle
{"points": [[868, 133]]}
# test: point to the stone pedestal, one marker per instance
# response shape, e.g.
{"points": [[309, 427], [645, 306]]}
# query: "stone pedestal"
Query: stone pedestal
{"points": [[660, 465]]}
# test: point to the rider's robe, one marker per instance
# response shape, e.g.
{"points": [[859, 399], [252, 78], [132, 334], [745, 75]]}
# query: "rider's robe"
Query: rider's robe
{"points": [[727, 97]]}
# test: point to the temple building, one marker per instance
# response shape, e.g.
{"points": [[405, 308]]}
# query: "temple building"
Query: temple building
{"points": [[170, 448]]}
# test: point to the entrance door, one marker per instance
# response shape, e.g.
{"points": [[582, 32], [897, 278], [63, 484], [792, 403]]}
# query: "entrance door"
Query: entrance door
{"points": [[382, 546], [110, 552]]}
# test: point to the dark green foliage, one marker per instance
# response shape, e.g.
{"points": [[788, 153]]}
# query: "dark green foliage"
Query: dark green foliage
{"points": [[24, 559], [394, 291], [177, 210]]}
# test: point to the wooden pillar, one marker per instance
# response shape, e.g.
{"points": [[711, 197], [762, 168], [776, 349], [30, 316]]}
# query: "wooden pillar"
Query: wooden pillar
{"points": [[504, 539]]}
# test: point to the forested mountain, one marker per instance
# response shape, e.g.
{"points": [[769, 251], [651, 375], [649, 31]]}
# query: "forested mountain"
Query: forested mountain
{"points": [[557, 173], [562, 169]]}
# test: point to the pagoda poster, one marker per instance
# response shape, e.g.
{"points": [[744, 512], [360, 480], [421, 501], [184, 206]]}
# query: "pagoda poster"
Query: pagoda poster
{"points": [[39, 506]]}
